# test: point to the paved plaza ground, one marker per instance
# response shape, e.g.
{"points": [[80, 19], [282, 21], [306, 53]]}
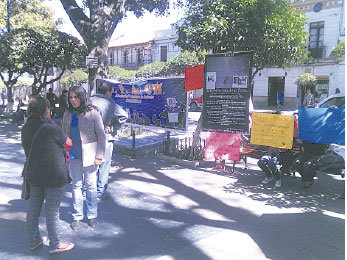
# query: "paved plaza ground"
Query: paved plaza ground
{"points": [[157, 210]]}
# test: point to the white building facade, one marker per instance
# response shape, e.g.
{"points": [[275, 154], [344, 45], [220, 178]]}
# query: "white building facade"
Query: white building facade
{"points": [[326, 28], [129, 53]]}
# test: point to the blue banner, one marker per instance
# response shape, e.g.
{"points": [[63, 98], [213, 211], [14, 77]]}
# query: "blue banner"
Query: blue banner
{"points": [[154, 102], [322, 125]]}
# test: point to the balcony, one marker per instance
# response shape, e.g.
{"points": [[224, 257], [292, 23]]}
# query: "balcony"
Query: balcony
{"points": [[317, 53]]}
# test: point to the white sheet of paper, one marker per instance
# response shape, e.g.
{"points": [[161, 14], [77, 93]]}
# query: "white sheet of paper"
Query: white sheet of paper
{"points": [[211, 80], [173, 117]]}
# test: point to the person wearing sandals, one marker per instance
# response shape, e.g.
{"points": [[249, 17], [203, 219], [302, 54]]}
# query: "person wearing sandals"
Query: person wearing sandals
{"points": [[46, 171], [83, 124]]}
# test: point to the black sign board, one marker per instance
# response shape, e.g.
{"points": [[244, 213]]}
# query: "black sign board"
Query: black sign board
{"points": [[226, 93]]}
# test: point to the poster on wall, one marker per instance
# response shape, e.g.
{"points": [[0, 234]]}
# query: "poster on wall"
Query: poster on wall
{"points": [[226, 93], [154, 102]]}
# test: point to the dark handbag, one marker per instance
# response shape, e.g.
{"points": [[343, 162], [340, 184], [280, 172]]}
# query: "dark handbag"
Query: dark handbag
{"points": [[25, 189], [25, 184]]}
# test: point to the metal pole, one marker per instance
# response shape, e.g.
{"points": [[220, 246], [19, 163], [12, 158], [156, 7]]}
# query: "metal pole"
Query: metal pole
{"points": [[167, 142], [133, 141]]}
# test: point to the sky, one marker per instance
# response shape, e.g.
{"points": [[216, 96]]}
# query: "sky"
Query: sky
{"points": [[130, 25]]}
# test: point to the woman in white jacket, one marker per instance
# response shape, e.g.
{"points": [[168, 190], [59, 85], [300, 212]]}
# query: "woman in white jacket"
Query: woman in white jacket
{"points": [[83, 124]]}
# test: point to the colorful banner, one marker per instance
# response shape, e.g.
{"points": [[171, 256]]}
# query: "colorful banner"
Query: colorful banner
{"points": [[222, 146], [322, 125], [194, 77], [154, 102], [272, 130]]}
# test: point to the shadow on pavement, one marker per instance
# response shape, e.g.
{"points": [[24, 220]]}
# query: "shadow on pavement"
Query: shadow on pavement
{"points": [[136, 225]]}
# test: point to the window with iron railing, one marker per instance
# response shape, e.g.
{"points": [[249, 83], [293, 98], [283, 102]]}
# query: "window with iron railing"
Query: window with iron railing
{"points": [[316, 39]]}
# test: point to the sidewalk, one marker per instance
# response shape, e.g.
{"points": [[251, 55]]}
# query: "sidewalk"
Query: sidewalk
{"points": [[162, 211]]}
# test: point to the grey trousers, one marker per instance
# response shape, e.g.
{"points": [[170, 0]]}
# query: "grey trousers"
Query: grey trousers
{"points": [[52, 197]]}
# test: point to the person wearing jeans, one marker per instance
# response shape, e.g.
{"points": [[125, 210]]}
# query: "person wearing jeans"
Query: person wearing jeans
{"points": [[87, 176], [113, 116], [104, 170], [83, 124], [268, 164], [46, 171]]}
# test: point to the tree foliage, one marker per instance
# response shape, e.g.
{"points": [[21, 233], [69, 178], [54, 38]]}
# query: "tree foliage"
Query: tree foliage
{"points": [[150, 70], [25, 14], [120, 74], [272, 30], [306, 81], [78, 77], [21, 14], [37, 51], [96, 21], [338, 53], [176, 66], [173, 67]]}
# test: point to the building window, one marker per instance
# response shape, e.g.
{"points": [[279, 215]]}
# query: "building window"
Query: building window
{"points": [[111, 58], [163, 53], [125, 58], [140, 57], [316, 39]]}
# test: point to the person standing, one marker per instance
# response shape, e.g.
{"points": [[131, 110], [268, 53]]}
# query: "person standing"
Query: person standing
{"points": [[113, 116], [83, 124], [52, 98], [309, 99], [63, 104], [46, 171], [62, 100], [3, 98], [279, 99]]}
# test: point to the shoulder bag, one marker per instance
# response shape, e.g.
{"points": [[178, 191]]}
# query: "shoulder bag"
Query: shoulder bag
{"points": [[25, 185]]}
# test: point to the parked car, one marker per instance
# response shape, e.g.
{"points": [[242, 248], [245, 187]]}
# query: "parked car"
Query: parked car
{"points": [[337, 100], [195, 103]]}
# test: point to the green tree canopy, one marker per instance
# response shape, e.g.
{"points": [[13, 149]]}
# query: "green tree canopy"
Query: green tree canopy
{"points": [[25, 14], [120, 74], [306, 81], [272, 30], [78, 77], [21, 14], [47, 49], [96, 21], [150, 70], [338, 53], [186, 59]]}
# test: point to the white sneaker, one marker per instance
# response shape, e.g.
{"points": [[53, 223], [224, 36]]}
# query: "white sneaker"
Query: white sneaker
{"points": [[278, 183], [267, 180]]}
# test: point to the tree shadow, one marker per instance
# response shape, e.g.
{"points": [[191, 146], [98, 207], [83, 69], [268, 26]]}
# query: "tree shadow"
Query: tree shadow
{"points": [[136, 225]]}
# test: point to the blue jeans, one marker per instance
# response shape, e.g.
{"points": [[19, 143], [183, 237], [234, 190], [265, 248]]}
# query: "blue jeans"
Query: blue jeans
{"points": [[267, 164], [87, 176], [104, 170]]}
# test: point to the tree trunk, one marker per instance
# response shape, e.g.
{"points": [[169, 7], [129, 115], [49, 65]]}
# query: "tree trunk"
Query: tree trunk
{"points": [[100, 52], [196, 138], [9, 94]]}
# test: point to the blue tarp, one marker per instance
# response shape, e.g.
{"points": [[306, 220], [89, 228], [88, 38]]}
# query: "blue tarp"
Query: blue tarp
{"points": [[322, 125]]}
